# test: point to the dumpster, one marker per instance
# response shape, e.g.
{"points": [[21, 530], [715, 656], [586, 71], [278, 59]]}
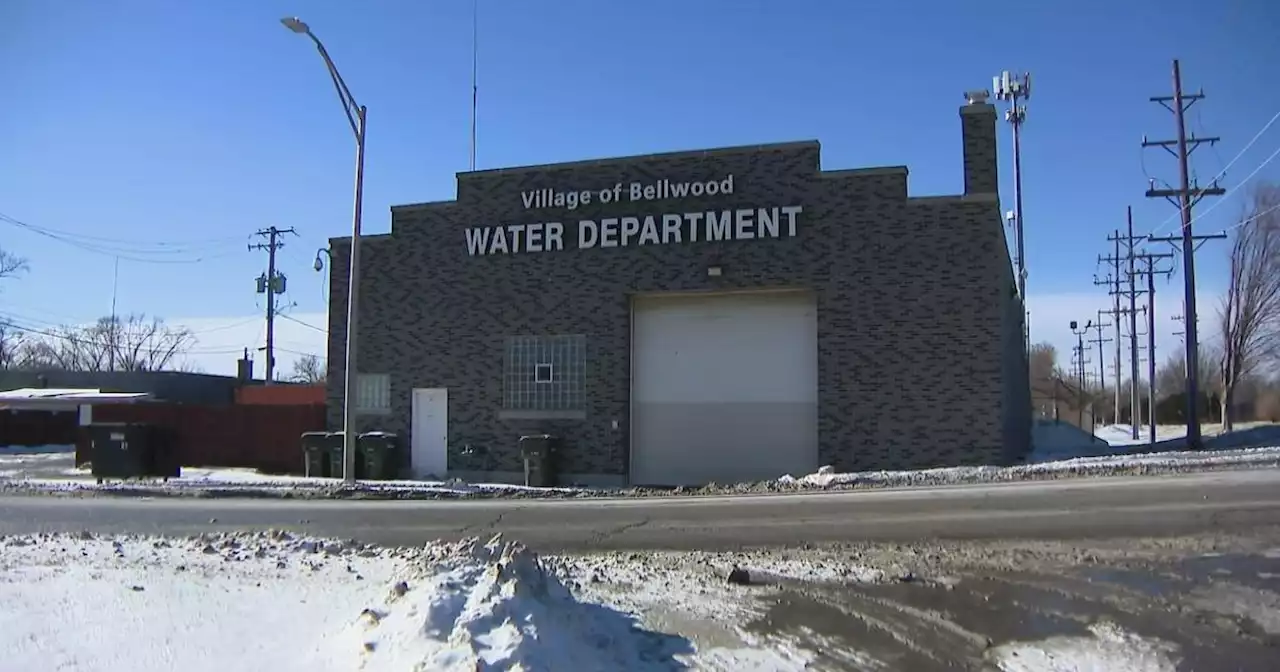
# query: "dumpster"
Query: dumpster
{"points": [[539, 453], [316, 454], [378, 455], [130, 450]]}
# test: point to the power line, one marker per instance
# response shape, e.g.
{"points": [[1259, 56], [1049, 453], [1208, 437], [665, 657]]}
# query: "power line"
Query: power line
{"points": [[124, 252], [1252, 218], [8, 317], [1186, 197], [305, 324], [1227, 167], [73, 338], [1248, 177], [62, 233]]}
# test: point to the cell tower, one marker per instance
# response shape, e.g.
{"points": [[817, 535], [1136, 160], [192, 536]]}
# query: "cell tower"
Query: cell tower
{"points": [[1016, 89]]}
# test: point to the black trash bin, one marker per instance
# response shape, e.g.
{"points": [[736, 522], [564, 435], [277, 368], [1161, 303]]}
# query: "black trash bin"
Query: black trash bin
{"points": [[378, 456], [539, 453], [315, 454], [333, 447], [130, 450]]}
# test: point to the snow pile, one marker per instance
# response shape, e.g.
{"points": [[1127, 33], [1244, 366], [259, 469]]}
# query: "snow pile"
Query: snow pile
{"points": [[826, 477], [475, 605], [1110, 648], [278, 601], [208, 603]]}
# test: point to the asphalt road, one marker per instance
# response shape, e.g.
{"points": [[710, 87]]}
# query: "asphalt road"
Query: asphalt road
{"points": [[1074, 508]]}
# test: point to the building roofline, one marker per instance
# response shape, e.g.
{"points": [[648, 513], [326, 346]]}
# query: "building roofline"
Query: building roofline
{"points": [[718, 151], [864, 172], [740, 149], [426, 205]]}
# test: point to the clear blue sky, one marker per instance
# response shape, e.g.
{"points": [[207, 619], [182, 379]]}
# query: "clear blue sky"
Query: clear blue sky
{"points": [[166, 122]]}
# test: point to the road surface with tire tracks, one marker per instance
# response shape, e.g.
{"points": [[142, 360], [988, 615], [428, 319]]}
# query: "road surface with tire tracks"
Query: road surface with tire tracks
{"points": [[1062, 509]]}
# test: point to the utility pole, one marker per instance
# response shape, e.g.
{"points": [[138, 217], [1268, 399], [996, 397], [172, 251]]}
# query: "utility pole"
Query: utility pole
{"points": [[1099, 340], [1124, 262], [1015, 88], [1141, 359], [115, 319], [271, 283], [1112, 281], [1184, 197], [1133, 332], [1151, 272]]}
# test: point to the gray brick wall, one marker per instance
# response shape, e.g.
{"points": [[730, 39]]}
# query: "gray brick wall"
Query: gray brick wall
{"points": [[912, 298]]}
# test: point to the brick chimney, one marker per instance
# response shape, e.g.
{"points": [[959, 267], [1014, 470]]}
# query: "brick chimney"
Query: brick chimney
{"points": [[978, 128]]}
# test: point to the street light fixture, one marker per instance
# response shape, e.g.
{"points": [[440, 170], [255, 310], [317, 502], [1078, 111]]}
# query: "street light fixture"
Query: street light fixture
{"points": [[295, 24], [320, 255], [356, 117]]}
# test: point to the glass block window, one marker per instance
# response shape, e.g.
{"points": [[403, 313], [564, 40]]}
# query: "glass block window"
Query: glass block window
{"points": [[544, 373], [373, 393]]}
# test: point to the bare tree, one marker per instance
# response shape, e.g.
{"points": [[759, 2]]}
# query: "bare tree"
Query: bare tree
{"points": [[11, 264], [12, 344], [308, 369], [1171, 377], [1043, 362], [134, 343], [1250, 311]]}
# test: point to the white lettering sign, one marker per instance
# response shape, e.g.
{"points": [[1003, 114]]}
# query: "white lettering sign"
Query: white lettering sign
{"points": [[634, 231], [661, 190]]}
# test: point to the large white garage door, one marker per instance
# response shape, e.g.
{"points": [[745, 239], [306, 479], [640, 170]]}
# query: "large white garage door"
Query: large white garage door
{"points": [[724, 387]]}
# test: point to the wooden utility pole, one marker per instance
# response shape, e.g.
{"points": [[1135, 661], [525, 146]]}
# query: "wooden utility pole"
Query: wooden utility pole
{"points": [[1099, 340], [1124, 262], [1151, 272], [271, 283], [1184, 197], [1112, 282]]}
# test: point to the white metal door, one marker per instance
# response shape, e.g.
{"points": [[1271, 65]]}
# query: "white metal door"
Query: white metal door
{"points": [[429, 436]]}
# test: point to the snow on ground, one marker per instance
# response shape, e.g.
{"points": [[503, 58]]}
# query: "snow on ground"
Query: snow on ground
{"points": [[1122, 435], [826, 478], [273, 601], [1109, 648], [277, 601]]}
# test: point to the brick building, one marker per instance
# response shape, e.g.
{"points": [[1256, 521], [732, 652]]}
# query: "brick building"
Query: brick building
{"points": [[721, 315]]}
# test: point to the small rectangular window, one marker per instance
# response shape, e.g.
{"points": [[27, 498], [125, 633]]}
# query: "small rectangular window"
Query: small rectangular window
{"points": [[542, 373]]}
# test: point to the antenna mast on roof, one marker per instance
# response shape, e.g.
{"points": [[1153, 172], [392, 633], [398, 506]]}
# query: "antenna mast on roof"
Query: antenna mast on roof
{"points": [[475, 59]]}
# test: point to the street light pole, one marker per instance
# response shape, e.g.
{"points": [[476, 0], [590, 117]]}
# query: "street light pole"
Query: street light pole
{"points": [[1080, 370], [356, 115]]}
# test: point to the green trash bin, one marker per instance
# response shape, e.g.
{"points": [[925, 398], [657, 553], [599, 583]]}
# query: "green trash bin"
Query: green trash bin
{"points": [[315, 454], [378, 455]]}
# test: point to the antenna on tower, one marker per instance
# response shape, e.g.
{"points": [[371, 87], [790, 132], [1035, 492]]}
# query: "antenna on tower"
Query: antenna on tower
{"points": [[475, 60]]}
